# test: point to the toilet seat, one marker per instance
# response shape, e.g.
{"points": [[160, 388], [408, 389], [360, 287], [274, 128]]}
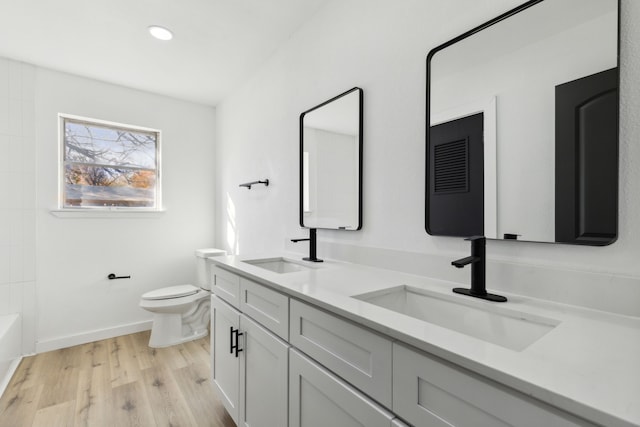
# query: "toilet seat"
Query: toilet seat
{"points": [[170, 292]]}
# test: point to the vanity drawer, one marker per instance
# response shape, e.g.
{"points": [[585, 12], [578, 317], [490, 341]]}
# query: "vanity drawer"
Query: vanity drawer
{"points": [[429, 392], [226, 285], [358, 355], [266, 306], [317, 398]]}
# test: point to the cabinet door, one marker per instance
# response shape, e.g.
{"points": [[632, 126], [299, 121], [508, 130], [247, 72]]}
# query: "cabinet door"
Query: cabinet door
{"points": [[264, 378], [430, 392], [318, 398], [225, 367]]}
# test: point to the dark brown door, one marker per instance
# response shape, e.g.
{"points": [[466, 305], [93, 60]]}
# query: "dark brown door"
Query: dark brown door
{"points": [[586, 199]]}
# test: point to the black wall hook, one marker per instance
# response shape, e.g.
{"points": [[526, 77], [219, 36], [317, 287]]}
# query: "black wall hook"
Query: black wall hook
{"points": [[113, 277], [249, 184]]}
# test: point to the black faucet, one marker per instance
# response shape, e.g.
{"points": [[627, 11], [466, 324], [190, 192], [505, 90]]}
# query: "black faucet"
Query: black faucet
{"points": [[478, 271], [312, 246]]}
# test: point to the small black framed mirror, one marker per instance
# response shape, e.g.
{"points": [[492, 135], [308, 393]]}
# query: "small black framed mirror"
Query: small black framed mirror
{"points": [[522, 126], [331, 163]]}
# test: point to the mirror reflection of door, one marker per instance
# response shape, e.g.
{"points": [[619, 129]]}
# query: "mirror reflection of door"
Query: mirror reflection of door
{"points": [[456, 183], [330, 163], [587, 159]]}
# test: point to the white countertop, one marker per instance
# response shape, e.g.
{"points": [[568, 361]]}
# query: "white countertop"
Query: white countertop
{"points": [[589, 364]]}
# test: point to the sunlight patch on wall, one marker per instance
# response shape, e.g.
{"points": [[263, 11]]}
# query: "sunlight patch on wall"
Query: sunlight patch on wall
{"points": [[232, 232]]}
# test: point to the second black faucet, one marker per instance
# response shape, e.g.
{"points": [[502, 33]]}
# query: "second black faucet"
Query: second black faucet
{"points": [[478, 271]]}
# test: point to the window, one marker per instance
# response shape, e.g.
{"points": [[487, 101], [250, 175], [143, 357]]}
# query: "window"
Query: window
{"points": [[108, 165]]}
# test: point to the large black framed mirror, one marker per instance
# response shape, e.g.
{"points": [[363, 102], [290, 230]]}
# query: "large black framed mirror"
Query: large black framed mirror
{"points": [[331, 163], [522, 126]]}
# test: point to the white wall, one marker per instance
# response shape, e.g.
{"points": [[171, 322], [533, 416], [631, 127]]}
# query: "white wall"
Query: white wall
{"points": [[17, 195], [381, 46], [76, 302]]}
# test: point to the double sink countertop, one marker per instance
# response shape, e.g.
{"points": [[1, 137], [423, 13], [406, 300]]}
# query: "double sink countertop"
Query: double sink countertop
{"points": [[581, 360]]}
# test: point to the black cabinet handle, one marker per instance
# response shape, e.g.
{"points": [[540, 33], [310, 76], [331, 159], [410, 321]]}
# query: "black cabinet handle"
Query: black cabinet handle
{"points": [[238, 334], [235, 347]]}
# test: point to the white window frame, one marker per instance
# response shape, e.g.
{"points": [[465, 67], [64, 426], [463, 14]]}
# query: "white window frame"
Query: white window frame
{"points": [[62, 209]]}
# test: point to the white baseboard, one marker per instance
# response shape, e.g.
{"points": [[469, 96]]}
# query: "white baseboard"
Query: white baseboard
{"points": [[9, 374], [87, 337]]}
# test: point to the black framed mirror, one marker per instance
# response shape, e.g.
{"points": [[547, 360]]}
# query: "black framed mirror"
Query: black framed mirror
{"points": [[522, 126], [331, 163]]}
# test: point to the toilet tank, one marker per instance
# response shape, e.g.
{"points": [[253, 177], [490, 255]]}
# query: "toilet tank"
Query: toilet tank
{"points": [[203, 276]]}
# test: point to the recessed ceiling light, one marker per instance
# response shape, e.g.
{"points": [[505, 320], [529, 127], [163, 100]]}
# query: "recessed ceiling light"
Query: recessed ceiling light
{"points": [[160, 33]]}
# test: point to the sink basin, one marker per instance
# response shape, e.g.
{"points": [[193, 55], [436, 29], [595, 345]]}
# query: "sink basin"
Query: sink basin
{"points": [[278, 265], [498, 325]]}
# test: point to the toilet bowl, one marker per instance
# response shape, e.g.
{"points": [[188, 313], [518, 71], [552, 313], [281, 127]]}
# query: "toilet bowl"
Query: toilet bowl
{"points": [[181, 313]]}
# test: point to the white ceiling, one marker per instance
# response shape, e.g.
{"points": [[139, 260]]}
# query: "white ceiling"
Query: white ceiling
{"points": [[216, 46]]}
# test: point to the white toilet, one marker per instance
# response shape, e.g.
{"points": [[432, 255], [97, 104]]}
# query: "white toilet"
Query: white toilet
{"points": [[182, 313]]}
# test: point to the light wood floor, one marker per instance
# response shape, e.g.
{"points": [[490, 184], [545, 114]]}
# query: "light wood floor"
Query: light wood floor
{"points": [[115, 382]]}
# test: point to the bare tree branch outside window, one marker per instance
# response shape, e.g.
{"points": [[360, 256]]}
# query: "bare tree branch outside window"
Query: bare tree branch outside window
{"points": [[109, 166]]}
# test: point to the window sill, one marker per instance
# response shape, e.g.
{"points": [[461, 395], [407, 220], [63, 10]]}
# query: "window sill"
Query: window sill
{"points": [[116, 213]]}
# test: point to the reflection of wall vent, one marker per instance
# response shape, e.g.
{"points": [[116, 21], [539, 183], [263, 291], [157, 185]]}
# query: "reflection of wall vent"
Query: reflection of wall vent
{"points": [[451, 167]]}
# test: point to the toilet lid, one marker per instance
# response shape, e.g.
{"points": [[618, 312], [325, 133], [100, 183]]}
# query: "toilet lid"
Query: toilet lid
{"points": [[171, 292]]}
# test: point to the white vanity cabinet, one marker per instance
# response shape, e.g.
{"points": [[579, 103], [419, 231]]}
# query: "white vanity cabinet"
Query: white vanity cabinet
{"points": [[318, 398], [249, 368], [281, 362], [430, 392]]}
